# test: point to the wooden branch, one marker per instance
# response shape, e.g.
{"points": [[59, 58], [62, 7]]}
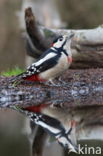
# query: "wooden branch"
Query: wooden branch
{"points": [[81, 88], [87, 45], [33, 30]]}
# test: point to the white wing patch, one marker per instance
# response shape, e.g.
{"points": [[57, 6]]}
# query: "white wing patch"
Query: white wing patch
{"points": [[50, 55], [49, 128]]}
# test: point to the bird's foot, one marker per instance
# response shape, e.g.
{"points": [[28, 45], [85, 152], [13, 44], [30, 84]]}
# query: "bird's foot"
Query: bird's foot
{"points": [[62, 83], [52, 83]]}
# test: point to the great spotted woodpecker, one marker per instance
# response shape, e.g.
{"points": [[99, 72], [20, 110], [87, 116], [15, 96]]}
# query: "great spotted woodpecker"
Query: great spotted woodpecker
{"points": [[52, 62], [53, 126], [50, 65]]}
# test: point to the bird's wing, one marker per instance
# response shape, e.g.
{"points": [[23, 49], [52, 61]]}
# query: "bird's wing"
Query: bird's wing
{"points": [[43, 64]]}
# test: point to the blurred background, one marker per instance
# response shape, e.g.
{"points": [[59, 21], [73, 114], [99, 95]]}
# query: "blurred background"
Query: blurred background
{"points": [[71, 14]]}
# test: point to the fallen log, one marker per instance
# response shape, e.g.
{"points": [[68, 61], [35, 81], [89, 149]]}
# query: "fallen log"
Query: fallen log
{"points": [[77, 88], [87, 45]]}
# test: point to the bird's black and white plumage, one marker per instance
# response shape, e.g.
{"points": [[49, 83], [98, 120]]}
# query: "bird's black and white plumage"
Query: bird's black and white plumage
{"points": [[52, 63]]}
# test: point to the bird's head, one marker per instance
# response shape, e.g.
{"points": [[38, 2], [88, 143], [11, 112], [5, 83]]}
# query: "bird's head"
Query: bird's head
{"points": [[60, 41]]}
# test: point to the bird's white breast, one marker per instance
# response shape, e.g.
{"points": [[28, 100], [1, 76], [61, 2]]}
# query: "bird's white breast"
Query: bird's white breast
{"points": [[57, 70]]}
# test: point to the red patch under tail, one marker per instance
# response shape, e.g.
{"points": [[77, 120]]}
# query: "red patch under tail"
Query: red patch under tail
{"points": [[34, 78], [36, 108]]}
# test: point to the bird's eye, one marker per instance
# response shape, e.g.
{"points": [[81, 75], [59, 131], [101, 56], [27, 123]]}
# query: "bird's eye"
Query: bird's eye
{"points": [[61, 39]]}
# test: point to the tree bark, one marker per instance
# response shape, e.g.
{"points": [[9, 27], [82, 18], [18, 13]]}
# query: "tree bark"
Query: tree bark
{"points": [[87, 45]]}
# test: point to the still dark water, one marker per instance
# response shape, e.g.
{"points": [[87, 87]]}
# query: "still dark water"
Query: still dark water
{"points": [[14, 142], [13, 145]]}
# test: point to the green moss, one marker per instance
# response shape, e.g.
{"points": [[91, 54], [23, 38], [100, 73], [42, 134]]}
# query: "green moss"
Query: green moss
{"points": [[12, 72]]}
